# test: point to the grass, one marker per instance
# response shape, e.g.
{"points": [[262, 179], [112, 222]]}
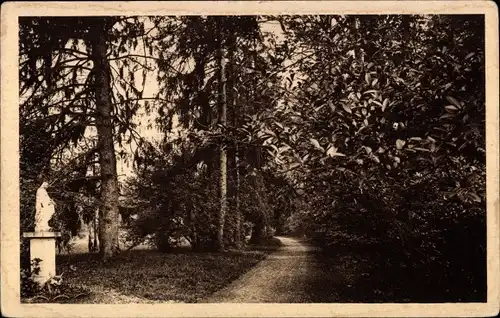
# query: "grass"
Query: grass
{"points": [[146, 276]]}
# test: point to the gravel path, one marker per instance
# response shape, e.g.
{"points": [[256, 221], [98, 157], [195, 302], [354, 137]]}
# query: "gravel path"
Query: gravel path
{"points": [[282, 277]]}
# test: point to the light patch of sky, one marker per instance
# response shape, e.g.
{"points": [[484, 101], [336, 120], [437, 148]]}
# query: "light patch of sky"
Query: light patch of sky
{"points": [[274, 28]]}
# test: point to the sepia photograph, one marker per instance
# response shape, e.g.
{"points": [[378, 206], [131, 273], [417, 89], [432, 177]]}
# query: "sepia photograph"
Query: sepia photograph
{"points": [[266, 157]]}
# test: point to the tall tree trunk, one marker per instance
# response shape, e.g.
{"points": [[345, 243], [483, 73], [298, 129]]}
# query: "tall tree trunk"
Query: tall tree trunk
{"points": [[205, 120], [229, 220], [90, 238], [259, 232], [223, 148], [108, 220], [261, 221], [235, 176], [96, 212], [237, 212], [205, 123], [96, 230]]}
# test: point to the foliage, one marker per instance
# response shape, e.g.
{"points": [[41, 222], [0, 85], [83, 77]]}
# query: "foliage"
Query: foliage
{"points": [[54, 290], [28, 286], [363, 131], [179, 209], [189, 74], [59, 113], [183, 206], [390, 142]]}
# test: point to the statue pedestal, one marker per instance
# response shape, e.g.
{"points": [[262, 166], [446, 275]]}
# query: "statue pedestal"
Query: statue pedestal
{"points": [[43, 246]]}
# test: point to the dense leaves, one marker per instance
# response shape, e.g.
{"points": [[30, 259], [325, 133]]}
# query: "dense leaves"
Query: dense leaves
{"points": [[358, 131], [391, 142], [69, 94]]}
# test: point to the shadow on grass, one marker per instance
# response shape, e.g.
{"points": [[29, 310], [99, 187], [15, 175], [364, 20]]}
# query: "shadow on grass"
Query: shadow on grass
{"points": [[180, 275], [361, 275]]}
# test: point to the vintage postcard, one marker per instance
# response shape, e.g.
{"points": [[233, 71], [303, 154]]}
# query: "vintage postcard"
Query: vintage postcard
{"points": [[250, 158]]}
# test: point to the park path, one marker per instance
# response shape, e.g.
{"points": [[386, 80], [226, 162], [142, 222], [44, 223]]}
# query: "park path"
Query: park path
{"points": [[280, 278]]}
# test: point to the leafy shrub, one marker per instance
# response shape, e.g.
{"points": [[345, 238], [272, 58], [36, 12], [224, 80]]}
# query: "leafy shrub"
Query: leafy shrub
{"points": [[391, 145], [53, 290], [29, 287], [184, 208]]}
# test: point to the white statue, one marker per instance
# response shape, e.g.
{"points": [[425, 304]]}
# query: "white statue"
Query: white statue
{"points": [[45, 208]]}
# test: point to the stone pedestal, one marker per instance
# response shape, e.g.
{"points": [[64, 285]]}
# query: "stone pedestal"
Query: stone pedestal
{"points": [[43, 246]]}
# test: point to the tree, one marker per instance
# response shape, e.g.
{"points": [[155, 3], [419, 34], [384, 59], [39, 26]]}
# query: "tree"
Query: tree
{"points": [[200, 95], [223, 150], [388, 132], [72, 90], [108, 225]]}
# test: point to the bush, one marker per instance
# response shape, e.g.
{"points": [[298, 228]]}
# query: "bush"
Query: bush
{"points": [[393, 145], [29, 287], [184, 208], [53, 290]]}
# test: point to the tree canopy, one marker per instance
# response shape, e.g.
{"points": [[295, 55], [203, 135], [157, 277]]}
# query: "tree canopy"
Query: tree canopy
{"points": [[355, 130]]}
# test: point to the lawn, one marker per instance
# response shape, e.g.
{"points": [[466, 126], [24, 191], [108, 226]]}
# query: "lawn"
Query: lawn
{"points": [[147, 276]]}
